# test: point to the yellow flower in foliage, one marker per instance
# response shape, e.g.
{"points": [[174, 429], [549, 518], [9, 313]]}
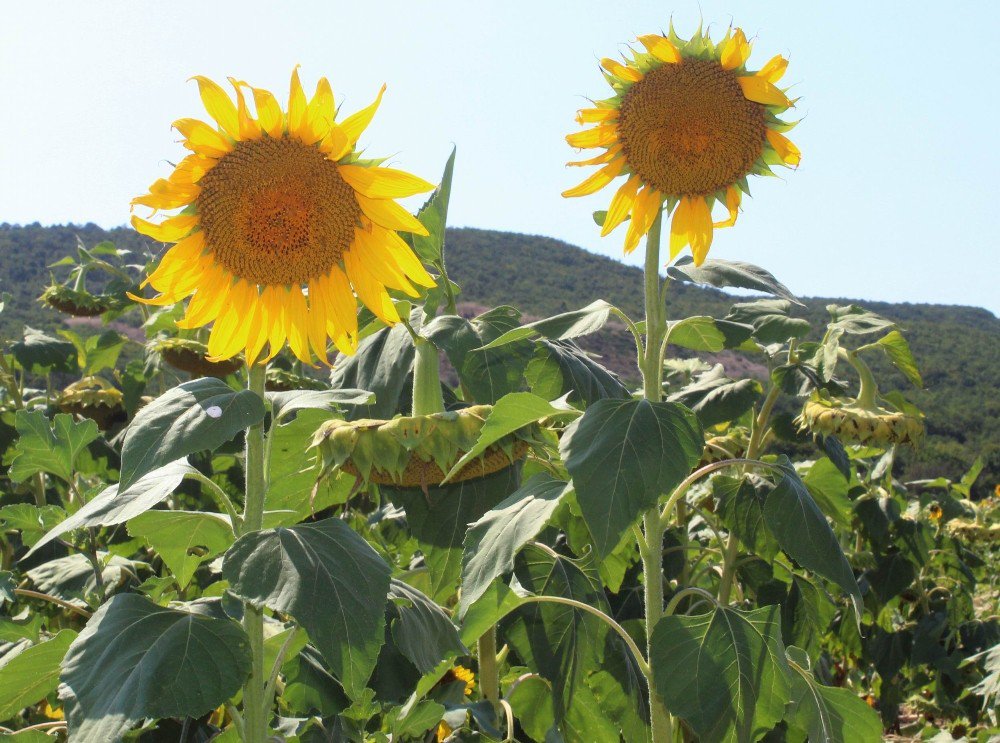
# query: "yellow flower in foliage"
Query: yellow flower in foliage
{"points": [[688, 122], [935, 512], [281, 224]]}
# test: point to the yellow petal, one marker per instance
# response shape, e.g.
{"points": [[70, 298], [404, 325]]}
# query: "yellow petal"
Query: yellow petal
{"points": [[661, 48], [599, 136], [268, 112], [759, 90], [169, 230], [273, 300], [605, 157], [191, 169], [369, 290], [733, 197], [229, 333], [404, 257], [257, 336], [317, 321], [596, 115], [787, 151], [179, 279], [735, 51], [691, 225], [208, 301], [164, 194], [248, 127], [679, 227], [621, 205], [774, 69], [335, 144], [622, 72], [320, 112], [202, 138], [219, 105], [379, 263], [355, 124], [390, 215], [296, 106], [383, 183], [648, 204], [342, 305], [297, 323], [598, 180]]}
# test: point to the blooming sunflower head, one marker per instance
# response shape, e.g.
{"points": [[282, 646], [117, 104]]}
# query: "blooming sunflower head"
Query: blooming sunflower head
{"points": [[687, 124], [281, 224]]}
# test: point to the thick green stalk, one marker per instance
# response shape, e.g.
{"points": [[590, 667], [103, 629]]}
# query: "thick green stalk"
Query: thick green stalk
{"points": [[868, 390], [256, 709], [651, 550], [489, 672], [426, 379]]}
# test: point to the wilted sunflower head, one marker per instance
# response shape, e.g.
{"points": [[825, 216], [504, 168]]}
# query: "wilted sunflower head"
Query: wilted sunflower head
{"points": [[191, 356], [687, 124], [851, 421], [94, 398], [282, 223], [76, 302]]}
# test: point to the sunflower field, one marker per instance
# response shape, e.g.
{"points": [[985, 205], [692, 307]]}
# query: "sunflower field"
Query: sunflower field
{"points": [[316, 503]]}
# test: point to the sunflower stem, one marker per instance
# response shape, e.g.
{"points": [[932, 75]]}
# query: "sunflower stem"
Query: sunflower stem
{"points": [[256, 708], [427, 397], [651, 551], [489, 671], [868, 391]]}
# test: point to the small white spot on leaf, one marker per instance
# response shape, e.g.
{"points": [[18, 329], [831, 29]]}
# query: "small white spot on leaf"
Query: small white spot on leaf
{"points": [[214, 411]]}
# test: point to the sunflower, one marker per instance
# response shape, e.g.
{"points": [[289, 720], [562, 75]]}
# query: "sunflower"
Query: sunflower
{"points": [[687, 124], [281, 225]]}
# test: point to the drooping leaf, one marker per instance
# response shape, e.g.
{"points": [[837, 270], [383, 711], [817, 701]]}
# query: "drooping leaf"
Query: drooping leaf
{"points": [[716, 398], [41, 353], [899, 353], [285, 403], [622, 454], [309, 687], [183, 539], [111, 507], [703, 333], [562, 367], [382, 366], [492, 542], [741, 508], [561, 327], [511, 413], [32, 674], [45, 447], [856, 320], [825, 713], [892, 575], [438, 519], [286, 569], [135, 659], [724, 672], [724, 274], [829, 488], [770, 319], [194, 416], [421, 629], [806, 614], [803, 532], [72, 578]]}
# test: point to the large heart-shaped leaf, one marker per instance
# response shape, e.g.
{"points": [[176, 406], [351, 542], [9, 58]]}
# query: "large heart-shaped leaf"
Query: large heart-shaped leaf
{"points": [[723, 274], [45, 447], [40, 353], [724, 672], [421, 629], [32, 674], [111, 507], [381, 365], [716, 398], [492, 542], [622, 454], [194, 416], [328, 578], [703, 333], [562, 367], [183, 539], [135, 659], [567, 325]]}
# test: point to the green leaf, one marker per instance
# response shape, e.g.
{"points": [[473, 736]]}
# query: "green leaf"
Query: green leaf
{"points": [[72, 578], [806, 614], [434, 216], [715, 398], [309, 685], [804, 534], [724, 672], [898, 351], [741, 509], [110, 508], [562, 367], [32, 674], [892, 575], [724, 274], [421, 629], [856, 320], [102, 351], [561, 643], [770, 320], [622, 455], [284, 404], [439, 517], [567, 325], [826, 713], [286, 569], [7, 586], [703, 333], [135, 660], [183, 539], [382, 365], [498, 601], [42, 447], [829, 488], [492, 542], [30, 520], [510, 413], [194, 416], [40, 353]]}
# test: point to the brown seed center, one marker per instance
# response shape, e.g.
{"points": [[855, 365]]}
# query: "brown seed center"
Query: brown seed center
{"points": [[688, 130], [276, 211]]}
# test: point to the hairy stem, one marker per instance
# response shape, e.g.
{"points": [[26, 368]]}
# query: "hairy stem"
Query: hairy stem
{"points": [[426, 379], [256, 708]]}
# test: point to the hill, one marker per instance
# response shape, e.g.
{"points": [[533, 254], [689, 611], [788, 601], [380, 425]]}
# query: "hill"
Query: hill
{"points": [[958, 348]]}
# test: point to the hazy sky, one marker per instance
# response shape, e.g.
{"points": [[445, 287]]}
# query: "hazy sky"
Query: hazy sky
{"points": [[896, 199]]}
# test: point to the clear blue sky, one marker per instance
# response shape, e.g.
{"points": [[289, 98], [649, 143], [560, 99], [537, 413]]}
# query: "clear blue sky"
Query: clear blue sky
{"points": [[896, 199]]}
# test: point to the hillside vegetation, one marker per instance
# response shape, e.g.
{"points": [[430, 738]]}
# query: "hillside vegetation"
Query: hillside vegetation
{"points": [[958, 348]]}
